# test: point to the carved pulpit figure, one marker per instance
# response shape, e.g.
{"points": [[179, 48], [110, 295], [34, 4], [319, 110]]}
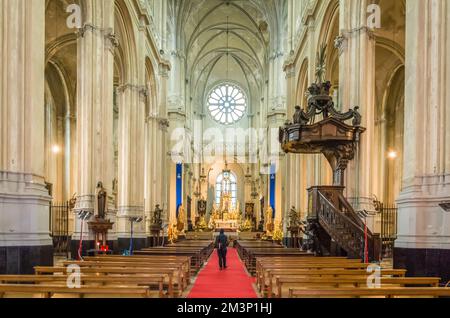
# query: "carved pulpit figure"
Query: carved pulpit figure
{"points": [[101, 201], [300, 116]]}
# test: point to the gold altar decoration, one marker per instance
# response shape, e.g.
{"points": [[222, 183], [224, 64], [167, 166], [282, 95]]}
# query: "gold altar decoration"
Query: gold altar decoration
{"points": [[180, 220], [202, 226], [172, 233], [278, 232], [246, 226], [269, 221]]}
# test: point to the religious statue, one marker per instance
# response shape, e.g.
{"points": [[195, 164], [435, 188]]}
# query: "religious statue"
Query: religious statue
{"points": [[269, 220], [73, 201], [212, 224], [101, 201], [300, 116], [278, 232], [246, 226], [201, 226], [214, 213], [201, 207], [156, 219], [294, 220], [180, 219], [172, 233]]}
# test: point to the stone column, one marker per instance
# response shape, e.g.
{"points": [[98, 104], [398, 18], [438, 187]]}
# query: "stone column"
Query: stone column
{"points": [[423, 244], [132, 100], [24, 200], [291, 167], [357, 88], [95, 114], [149, 195], [163, 157]]}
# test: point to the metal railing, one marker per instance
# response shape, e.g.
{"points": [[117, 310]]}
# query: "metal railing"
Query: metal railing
{"points": [[389, 223], [59, 227]]}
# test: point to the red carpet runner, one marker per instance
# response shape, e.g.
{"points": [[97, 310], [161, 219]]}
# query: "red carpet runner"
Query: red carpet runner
{"points": [[232, 282]]}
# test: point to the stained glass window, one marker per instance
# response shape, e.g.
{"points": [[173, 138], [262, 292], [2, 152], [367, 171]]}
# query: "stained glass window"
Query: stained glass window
{"points": [[227, 104]]}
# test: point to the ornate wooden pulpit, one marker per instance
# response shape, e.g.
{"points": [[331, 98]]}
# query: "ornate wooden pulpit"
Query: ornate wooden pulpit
{"points": [[338, 141]]}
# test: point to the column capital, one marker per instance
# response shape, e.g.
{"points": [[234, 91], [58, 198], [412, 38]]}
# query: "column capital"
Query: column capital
{"points": [[141, 89], [107, 33]]}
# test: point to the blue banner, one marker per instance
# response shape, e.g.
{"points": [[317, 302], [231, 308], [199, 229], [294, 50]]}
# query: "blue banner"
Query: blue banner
{"points": [[179, 185], [272, 187]]}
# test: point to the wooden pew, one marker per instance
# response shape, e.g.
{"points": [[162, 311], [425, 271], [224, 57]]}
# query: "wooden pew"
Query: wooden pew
{"points": [[49, 291], [168, 273], [198, 255], [268, 282], [409, 292], [177, 269], [150, 281], [133, 261], [266, 264], [285, 282], [253, 254]]}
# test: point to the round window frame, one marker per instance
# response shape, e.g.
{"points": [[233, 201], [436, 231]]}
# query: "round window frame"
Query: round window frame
{"points": [[218, 86]]}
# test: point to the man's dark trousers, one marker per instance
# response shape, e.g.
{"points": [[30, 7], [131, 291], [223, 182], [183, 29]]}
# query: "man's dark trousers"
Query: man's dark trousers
{"points": [[222, 257]]}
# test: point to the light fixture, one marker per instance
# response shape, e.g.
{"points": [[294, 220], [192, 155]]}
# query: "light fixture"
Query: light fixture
{"points": [[133, 219], [56, 149], [445, 206], [392, 154]]}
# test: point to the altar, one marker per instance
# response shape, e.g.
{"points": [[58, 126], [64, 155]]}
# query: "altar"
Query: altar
{"points": [[227, 224]]}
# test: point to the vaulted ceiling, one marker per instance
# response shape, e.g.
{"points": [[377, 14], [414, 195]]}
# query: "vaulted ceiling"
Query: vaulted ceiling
{"points": [[227, 40]]}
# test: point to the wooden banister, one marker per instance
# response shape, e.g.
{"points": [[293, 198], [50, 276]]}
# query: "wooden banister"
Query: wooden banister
{"points": [[343, 225]]}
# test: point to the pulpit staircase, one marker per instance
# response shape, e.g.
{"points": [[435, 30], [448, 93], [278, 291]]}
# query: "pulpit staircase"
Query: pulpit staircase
{"points": [[335, 216]]}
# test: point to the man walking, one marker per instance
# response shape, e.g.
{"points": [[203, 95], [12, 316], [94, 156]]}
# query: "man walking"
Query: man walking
{"points": [[221, 244]]}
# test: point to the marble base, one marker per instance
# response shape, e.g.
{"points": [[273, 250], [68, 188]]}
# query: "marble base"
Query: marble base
{"points": [[423, 262], [20, 260]]}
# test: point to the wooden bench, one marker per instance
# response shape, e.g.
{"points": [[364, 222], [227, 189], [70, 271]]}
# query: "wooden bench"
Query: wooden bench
{"points": [[267, 283], [181, 273], [285, 282], [49, 291], [409, 292], [133, 261], [198, 255], [262, 265], [308, 263], [253, 254], [153, 282], [168, 274]]}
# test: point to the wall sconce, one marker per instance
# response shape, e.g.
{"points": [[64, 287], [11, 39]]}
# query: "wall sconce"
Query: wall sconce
{"points": [[56, 149], [445, 206], [392, 154]]}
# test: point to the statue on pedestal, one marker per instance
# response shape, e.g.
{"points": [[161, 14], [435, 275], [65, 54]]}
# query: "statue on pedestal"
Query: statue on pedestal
{"points": [[156, 219], [101, 201], [269, 221], [172, 233], [294, 220], [180, 220], [278, 232]]}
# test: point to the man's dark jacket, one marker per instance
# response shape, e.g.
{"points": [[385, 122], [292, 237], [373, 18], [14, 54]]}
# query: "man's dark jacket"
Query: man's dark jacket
{"points": [[221, 242]]}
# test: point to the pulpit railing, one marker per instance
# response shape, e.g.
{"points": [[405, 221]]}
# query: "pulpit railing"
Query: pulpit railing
{"points": [[345, 230]]}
